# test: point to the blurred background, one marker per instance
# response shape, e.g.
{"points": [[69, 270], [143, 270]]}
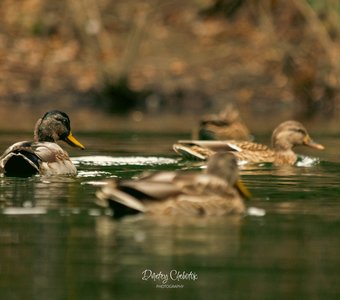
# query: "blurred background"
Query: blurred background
{"points": [[137, 65]]}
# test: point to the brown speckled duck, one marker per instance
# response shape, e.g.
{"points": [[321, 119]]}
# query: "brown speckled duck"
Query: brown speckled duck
{"points": [[285, 137], [43, 155], [215, 192], [225, 125]]}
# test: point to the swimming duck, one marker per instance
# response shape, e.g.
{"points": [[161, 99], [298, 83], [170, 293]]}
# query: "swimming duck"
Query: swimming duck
{"points": [[217, 191], [284, 138], [43, 155], [222, 126]]}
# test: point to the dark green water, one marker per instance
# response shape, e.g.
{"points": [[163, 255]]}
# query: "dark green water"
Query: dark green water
{"points": [[55, 243]]}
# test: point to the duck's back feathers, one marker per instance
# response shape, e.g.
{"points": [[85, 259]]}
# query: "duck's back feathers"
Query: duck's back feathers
{"points": [[54, 160], [199, 149], [242, 150], [19, 160], [177, 193], [132, 196], [43, 155], [123, 202], [29, 158], [149, 187], [253, 152]]}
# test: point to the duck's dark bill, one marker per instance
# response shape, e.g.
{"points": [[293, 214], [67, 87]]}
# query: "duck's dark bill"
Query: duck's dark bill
{"points": [[71, 140]]}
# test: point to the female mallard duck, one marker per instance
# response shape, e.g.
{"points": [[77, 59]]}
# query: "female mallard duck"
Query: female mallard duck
{"points": [[225, 125], [217, 191], [43, 155], [285, 137]]}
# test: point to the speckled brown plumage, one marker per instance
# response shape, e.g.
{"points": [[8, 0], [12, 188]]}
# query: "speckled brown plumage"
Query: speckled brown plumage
{"points": [[212, 193], [285, 137]]}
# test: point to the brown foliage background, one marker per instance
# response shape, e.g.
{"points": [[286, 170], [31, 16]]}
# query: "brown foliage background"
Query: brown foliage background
{"points": [[273, 59]]}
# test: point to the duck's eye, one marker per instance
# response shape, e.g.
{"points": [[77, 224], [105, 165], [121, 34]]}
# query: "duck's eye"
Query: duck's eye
{"points": [[299, 130], [64, 122]]}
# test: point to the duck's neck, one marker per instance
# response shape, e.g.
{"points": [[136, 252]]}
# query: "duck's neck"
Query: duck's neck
{"points": [[42, 133], [284, 154], [281, 145], [285, 157]]}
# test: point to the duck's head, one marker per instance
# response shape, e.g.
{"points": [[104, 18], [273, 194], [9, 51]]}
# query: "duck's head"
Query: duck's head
{"points": [[224, 165], [292, 133], [225, 118], [55, 126]]}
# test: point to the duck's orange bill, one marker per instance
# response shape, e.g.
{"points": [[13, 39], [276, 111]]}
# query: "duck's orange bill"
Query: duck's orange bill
{"points": [[71, 140], [242, 189], [310, 143]]}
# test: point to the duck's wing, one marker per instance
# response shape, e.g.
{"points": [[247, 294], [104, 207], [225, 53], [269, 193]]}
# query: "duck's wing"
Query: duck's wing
{"points": [[111, 195], [200, 149], [54, 160], [49, 152], [164, 185], [212, 145], [131, 196], [254, 152], [249, 146], [152, 186], [243, 150], [29, 158], [17, 146], [196, 183], [20, 160], [200, 195]]}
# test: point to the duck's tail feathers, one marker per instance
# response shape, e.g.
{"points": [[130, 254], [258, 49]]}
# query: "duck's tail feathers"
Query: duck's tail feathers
{"points": [[188, 152], [120, 202], [20, 163]]}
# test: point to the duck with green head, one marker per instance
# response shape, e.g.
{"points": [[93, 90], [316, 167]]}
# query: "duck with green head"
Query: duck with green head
{"points": [[42, 155]]}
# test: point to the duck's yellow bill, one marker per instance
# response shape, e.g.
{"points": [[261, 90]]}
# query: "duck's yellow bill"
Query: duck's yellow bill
{"points": [[71, 140], [242, 189], [309, 142]]}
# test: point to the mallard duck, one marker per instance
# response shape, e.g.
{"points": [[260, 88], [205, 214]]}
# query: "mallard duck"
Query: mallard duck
{"points": [[285, 137], [225, 125], [217, 191], [43, 155]]}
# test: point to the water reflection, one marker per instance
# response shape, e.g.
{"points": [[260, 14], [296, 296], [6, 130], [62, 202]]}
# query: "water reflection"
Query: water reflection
{"points": [[180, 236], [48, 192]]}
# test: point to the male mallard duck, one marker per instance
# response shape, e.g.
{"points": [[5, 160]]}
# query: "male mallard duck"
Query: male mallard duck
{"points": [[217, 191], [225, 125], [43, 155], [285, 137]]}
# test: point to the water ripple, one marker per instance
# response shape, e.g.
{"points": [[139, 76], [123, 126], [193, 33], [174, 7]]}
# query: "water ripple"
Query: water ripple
{"points": [[306, 161], [86, 173], [119, 161], [24, 211]]}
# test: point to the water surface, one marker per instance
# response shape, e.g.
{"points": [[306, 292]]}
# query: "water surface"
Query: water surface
{"points": [[56, 243]]}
